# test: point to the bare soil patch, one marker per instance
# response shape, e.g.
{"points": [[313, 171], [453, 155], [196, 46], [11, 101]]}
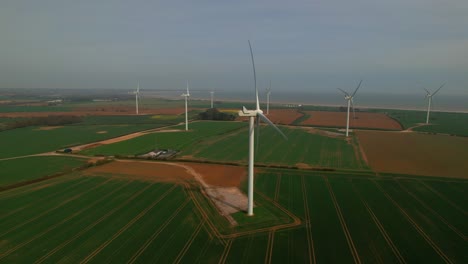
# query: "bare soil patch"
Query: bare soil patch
{"points": [[48, 128], [415, 153], [283, 116], [362, 120], [102, 132]]}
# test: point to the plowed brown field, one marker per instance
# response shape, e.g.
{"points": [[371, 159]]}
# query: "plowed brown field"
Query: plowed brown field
{"points": [[414, 153], [279, 116], [215, 175], [363, 120]]}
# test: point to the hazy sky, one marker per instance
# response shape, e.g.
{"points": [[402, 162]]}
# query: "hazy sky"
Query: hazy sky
{"points": [[396, 46]]}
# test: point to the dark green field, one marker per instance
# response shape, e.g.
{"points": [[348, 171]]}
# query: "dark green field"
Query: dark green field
{"points": [[198, 131], [33, 140], [440, 122], [27, 169], [343, 219]]}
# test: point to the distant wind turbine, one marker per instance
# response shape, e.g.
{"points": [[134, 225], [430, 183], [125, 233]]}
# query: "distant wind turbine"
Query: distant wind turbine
{"points": [[268, 98], [212, 94], [349, 98], [429, 101], [186, 95], [254, 117], [137, 97]]}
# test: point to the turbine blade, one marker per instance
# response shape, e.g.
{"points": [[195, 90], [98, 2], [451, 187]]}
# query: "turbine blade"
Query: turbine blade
{"points": [[359, 85], [428, 93], [188, 94], [255, 77], [138, 88], [266, 120], [438, 89], [244, 109], [343, 91]]}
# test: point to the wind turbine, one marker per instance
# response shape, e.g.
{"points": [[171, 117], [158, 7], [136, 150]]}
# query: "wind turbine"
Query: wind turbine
{"points": [[268, 98], [137, 97], [254, 117], [186, 95], [429, 99], [349, 98], [212, 93]]}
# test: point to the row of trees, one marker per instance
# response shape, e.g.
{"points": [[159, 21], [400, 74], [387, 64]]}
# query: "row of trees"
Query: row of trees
{"points": [[215, 114]]}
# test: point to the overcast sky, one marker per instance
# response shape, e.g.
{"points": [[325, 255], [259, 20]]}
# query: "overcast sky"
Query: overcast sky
{"points": [[396, 46]]}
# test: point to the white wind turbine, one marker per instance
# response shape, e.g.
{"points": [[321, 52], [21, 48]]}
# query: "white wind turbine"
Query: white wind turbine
{"points": [[212, 94], [254, 117], [186, 95], [137, 97], [349, 98], [268, 92], [429, 101]]}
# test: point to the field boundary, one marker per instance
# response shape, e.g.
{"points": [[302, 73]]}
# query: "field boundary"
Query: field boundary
{"points": [[310, 241]]}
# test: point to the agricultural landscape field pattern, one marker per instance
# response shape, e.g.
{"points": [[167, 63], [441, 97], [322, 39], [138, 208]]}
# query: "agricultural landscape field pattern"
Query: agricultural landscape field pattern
{"points": [[319, 197]]}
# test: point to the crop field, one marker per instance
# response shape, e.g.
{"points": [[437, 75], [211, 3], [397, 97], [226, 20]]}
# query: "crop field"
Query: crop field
{"points": [[280, 116], [303, 148], [362, 120], [33, 140], [440, 122], [414, 153], [340, 218], [26, 169], [198, 131]]}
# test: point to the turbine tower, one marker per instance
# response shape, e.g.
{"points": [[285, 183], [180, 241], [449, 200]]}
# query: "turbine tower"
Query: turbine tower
{"points": [[349, 98], [186, 95], [429, 101], [137, 97], [254, 116], [212, 93], [268, 98]]}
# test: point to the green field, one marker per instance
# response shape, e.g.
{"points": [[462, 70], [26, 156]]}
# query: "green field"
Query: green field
{"points": [[198, 131], [27, 169], [343, 219], [32, 140], [440, 122], [301, 147]]}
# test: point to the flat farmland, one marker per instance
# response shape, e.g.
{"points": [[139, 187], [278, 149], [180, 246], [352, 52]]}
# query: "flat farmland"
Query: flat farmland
{"points": [[303, 148], [198, 131], [280, 116], [101, 216], [27, 169], [362, 120], [414, 153], [33, 140]]}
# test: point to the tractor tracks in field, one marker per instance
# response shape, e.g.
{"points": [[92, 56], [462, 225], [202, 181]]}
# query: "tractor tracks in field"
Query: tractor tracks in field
{"points": [[45, 198], [95, 223], [441, 218], [269, 252], [418, 228], [189, 242], [277, 187], [128, 225], [443, 198], [379, 225], [225, 254], [310, 241], [54, 208], [58, 224], [346, 232], [157, 232]]}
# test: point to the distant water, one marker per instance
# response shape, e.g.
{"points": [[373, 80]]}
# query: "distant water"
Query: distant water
{"points": [[441, 102]]}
